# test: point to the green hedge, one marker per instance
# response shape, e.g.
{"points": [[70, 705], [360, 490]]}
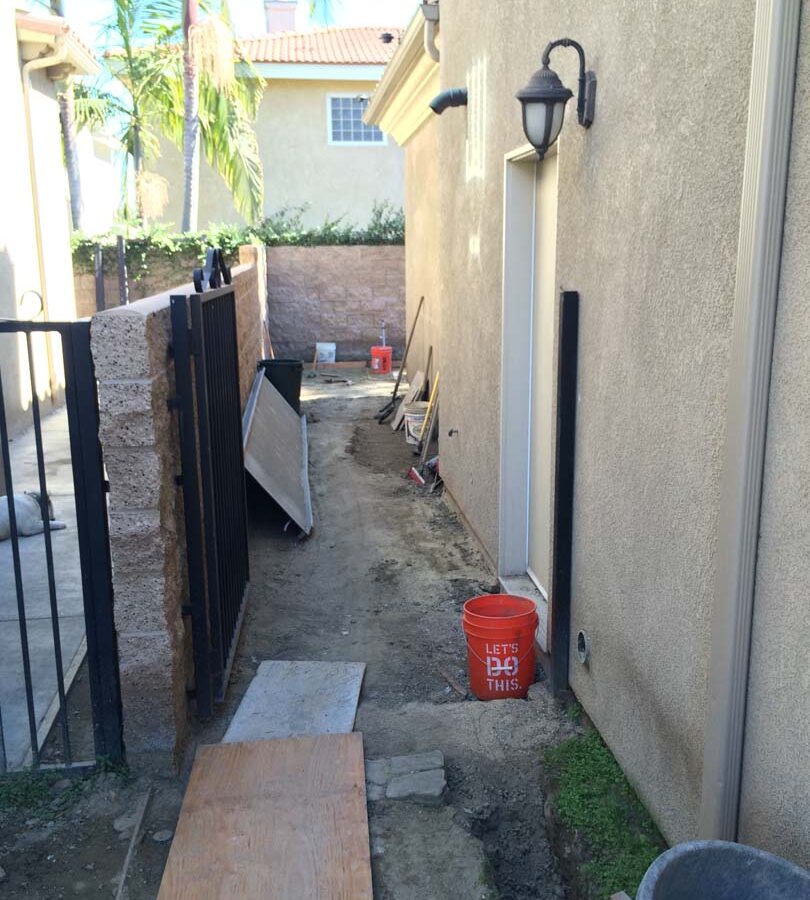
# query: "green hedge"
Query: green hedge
{"points": [[147, 246]]}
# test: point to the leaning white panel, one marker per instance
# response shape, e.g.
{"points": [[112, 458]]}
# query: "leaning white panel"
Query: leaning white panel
{"points": [[276, 455]]}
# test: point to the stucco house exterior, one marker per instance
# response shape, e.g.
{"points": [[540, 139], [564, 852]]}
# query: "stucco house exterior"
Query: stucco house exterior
{"points": [[38, 53], [315, 149], [681, 218]]}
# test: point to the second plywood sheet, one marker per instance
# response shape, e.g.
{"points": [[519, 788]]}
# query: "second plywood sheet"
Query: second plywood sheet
{"points": [[290, 698]]}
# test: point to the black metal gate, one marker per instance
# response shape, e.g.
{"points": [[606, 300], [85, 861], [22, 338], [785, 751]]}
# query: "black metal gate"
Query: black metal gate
{"points": [[91, 547], [206, 362]]}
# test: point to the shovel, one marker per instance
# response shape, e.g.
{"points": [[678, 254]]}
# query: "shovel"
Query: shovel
{"points": [[385, 413]]}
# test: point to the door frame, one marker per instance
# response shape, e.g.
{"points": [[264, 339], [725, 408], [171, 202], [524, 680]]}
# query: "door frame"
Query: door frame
{"points": [[519, 223]]}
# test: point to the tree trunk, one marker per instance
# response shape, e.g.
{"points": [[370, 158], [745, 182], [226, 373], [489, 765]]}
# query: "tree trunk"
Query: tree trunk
{"points": [[137, 163], [68, 119], [191, 122]]}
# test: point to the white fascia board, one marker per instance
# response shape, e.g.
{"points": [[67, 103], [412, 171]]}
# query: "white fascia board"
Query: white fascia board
{"points": [[319, 71]]}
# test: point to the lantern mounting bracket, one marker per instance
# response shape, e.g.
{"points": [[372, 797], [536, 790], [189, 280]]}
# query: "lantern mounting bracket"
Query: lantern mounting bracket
{"points": [[586, 97]]}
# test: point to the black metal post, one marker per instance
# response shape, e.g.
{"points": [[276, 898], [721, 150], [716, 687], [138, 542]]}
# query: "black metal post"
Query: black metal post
{"points": [[98, 272], [123, 277], [192, 508], [560, 637], [94, 543], [208, 500]]}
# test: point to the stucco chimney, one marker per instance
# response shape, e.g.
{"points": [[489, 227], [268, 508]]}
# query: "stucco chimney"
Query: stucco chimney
{"points": [[280, 15]]}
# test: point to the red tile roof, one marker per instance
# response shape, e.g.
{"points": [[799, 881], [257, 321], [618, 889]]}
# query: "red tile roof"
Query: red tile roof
{"points": [[51, 25], [358, 46]]}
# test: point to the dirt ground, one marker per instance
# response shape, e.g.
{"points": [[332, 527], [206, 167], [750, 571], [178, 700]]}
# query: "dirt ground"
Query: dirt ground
{"points": [[381, 580]]}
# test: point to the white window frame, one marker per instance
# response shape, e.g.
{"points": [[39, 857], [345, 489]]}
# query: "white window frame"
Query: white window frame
{"points": [[333, 143]]}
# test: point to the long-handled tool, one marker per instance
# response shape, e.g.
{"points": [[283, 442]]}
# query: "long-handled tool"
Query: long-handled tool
{"points": [[390, 406]]}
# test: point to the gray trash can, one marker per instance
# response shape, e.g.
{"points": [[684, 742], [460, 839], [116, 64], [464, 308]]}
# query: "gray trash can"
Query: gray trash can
{"points": [[719, 870]]}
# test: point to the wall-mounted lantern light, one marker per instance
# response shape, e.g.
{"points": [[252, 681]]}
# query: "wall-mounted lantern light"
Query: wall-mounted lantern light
{"points": [[544, 98]]}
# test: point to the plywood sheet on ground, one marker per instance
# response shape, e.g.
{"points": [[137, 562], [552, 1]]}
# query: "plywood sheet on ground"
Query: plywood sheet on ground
{"points": [[293, 699], [273, 820], [275, 442]]}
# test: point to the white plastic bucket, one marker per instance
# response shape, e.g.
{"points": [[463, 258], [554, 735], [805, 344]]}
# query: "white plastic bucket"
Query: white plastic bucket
{"points": [[414, 420], [325, 351]]}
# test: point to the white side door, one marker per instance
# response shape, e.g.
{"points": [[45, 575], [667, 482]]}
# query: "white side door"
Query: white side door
{"points": [[541, 431]]}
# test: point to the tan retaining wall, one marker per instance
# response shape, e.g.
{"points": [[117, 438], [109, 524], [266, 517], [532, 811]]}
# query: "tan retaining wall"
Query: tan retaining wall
{"points": [[140, 440], [161, 272], [335, 294]]}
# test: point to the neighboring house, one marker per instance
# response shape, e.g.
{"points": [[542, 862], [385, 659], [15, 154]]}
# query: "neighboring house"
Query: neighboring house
{"points": [[39, 51], [315, 149], [101, 162], [665, 216]]}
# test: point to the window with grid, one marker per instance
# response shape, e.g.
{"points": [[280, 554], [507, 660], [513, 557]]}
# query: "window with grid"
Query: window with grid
{"points": [[346, 125]]}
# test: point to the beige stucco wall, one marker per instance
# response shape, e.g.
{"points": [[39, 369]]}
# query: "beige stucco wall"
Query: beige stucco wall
{"points": [[18, 248], [300, 166], [775, 810], [647, 231], [422, 263]]}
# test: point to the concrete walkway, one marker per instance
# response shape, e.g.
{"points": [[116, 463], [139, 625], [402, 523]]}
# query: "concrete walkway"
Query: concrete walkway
{"points": [[67, 569]]}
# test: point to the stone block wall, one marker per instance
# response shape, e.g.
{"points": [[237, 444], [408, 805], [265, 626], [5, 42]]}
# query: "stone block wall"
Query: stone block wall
{"points": [[335, 294], [140, 440], [161, 273]]}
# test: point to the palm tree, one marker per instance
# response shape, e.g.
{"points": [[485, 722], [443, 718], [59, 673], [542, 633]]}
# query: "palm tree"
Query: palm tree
{"points": [[149, 61], [191, 119], [68, 123]]}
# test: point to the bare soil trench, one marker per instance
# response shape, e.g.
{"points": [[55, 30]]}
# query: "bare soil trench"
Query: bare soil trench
{"points": [[381, 580]]}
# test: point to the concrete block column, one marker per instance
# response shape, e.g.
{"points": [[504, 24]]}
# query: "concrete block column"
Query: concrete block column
{"points": [[141, 445], [139, 436]]}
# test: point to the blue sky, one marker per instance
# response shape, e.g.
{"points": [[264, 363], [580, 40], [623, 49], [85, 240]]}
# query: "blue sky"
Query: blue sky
{"points": [[248, 15]]}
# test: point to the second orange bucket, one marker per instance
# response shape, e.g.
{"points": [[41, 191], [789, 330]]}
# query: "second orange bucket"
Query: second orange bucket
{"points": [[500, 632]]}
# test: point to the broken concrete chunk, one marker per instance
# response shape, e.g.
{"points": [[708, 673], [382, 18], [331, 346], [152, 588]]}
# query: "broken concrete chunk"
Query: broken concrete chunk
{"points": [[374, 791], [423, 787], [125, 822], [538, 691], [416, 762], [377, 771]]}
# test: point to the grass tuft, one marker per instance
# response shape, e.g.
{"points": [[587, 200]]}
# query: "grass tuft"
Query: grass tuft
{"points": [[595, 799]]}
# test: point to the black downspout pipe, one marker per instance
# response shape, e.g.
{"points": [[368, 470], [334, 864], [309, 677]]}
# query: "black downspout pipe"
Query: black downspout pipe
{"points": [[451, 97]]}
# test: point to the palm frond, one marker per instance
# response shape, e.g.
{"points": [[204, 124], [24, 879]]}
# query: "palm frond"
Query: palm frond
{"points": [[94, 107], [231, 147]]}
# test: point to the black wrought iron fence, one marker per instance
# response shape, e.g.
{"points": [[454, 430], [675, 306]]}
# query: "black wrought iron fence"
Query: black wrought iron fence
{"points": [[206, 362], [68, 607]]}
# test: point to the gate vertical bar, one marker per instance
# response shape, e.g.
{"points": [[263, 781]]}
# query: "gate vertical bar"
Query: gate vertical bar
{"points": [[81, 397], [18, 582], [44, 508], [560, 636], [3, 760], [198, 576]]}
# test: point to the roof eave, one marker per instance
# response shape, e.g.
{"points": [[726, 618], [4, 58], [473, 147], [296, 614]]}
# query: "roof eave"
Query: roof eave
{"points": [[36, 35], [399, 105]]}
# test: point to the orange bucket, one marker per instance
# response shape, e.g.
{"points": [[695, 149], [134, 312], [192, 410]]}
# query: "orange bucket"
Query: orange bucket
{"points": [[381, 360], [500, 632]]}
